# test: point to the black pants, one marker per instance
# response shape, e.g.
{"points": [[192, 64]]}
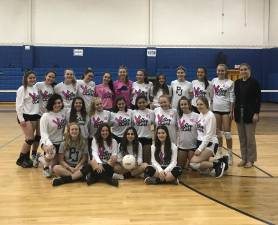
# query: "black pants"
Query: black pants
{"points": [[106, 173]]}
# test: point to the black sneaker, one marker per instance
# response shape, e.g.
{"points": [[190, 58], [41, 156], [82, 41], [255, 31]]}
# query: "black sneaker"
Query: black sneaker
{"points": [[19, 161], [219, 169], [112, 182], [225, 159], [57, 182], [27, 164], [151, 180], [90, 179]]}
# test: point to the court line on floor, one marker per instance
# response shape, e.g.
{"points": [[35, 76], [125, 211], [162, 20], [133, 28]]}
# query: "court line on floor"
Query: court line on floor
{"points": [[268, 174], [226, 205], [10, 141]]}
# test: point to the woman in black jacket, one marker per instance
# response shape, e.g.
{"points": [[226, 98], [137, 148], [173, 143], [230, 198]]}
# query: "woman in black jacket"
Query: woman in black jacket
{"points": [[246, 114]]}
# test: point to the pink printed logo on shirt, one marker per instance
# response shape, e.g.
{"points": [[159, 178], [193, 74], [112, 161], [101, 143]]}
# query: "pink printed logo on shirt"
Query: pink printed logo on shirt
{"points": [[35, 97], [60, 123]]}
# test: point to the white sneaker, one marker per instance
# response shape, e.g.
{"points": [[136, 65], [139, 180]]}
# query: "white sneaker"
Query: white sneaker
{"points": [[117, 176], [46, 172], [35, 159]]}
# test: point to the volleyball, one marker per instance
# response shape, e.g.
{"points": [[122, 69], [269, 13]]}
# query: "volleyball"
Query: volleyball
{"points": [[129, 162]]}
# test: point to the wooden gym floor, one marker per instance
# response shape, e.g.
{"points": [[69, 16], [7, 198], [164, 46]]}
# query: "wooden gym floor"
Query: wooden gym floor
{"points": [[243, 196]]}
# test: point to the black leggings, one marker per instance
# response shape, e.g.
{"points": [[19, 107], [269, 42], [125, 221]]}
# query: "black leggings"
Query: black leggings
{"points": [[106, 173], [150, 171]]}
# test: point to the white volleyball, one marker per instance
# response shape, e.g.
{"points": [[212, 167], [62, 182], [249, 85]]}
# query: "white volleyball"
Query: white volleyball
{"points": [[129, 162]]}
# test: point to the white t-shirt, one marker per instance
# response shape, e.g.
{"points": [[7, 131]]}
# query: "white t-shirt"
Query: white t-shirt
{"points": [[97, 119], [187, 131], [86, 91], [27, 101], [45, 92], [140, 89], [142, 121], [139, 155], [158, 94], [120, 121], [199, 90], [169, 119], [223, 94], [102, 155], [67, 91], [179, 89], [206, 129], [83, 124]]}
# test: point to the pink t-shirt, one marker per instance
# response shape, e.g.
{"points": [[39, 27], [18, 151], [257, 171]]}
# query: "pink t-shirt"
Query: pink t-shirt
{"points": [[123, 89], [106, 95]]}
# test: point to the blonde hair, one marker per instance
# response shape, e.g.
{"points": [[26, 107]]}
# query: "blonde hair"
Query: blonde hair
{"points": [[79, 143], [93, 106]]}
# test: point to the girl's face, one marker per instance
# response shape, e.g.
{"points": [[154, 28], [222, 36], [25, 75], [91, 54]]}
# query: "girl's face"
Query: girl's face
{"points": [[161, 80], [141, 104], [181, 75], [201, 106], [130, 136], [57, 105], [106, 78], [164, 103], [50, 78], [78, 105], [122, 73], [140, 76], [88, 77], [69, 76], [221, 72], [244, 72], [161, 135], [121, 105], [31, 79], [99, 106], [74, 131], [104, 132], [201, 74], [184, 106]]}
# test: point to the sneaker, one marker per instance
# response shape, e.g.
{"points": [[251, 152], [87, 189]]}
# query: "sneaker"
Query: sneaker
{"points": [[248, 165], [241, 163], [35, 159], [57, 182], [27, 164], [117, 176], [175, 181], [225, 159], [219, 169], [90, 179], [19, 161], [230, 155], [46, 172], [112, 181], [151, 180]]}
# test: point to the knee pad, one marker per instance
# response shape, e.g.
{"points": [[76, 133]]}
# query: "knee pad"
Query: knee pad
{"points": [[228, 135], [195, 166], [86, 170], [37, 138], [29, 141], [220, 134], [149, 171], [177, 171]]}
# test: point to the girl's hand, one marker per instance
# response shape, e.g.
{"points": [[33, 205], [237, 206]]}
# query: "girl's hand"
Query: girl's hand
{"points": [[100, 168], [162, 175], [255, 118]]}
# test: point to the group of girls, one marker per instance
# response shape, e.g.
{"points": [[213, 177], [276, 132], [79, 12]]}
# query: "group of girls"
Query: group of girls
{"points": [[109, 120]]}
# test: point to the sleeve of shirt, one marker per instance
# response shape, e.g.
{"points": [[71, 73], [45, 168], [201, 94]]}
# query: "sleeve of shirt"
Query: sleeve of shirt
{"points": [[95, 151], [140, 154], [173, 162], [114, 147], [19, 103], [155, 164], [119, 154], [43, 129], [231, 93], [210, 131]]}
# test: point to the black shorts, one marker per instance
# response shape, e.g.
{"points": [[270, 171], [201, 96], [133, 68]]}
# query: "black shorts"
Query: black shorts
{"points": [[211, 146], [27, 117], [145, 141], [221, 113], [187, 150]]}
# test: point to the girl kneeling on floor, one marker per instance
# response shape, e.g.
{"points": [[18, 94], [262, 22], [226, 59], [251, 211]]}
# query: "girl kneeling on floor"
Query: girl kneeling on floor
{"points": [[130, 145], [72, 156], [164, 160]]}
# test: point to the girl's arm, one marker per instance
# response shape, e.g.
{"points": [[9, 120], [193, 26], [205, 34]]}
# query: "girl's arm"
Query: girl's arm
{"points": [[173, 162], [155, 164]]}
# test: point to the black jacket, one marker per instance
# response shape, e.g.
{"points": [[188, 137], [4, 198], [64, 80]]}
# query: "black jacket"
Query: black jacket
{"points": [[252, 99]]}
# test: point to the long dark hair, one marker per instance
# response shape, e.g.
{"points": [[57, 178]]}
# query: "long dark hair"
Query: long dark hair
{"points": [[205, 77], [157, 85], [99, 139], [183, 98], [124, 68], [88, 70], [73, 112], [26, 74], [167, 145], [115, 107], [146, 79], [135, 142], [138, 98], [51, 71], [110, 84]]}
